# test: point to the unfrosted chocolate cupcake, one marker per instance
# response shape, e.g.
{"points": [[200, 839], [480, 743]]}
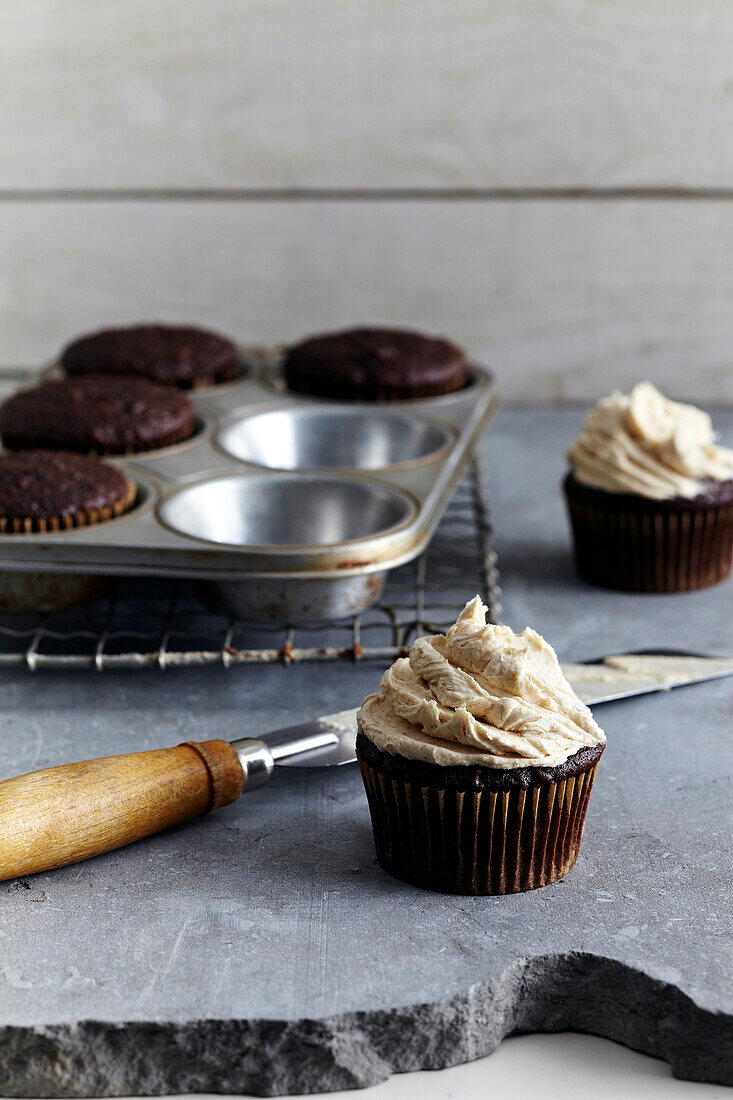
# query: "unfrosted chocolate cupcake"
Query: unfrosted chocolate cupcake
{"points": [[57, 490], [375, 364], [650, 496], [178, 355], [478, 761], [102, 414]]}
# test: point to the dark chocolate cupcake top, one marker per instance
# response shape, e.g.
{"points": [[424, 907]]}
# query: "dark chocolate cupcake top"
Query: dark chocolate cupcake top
{"points": [[44, 484], [479, 695], [474, 777], [710, 494], [177, 354], [372, 362], [96, 412]]}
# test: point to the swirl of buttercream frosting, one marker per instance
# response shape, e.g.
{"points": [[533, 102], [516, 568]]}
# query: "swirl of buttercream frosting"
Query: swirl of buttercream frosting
{"points": [[645, 444], [480, 694]]}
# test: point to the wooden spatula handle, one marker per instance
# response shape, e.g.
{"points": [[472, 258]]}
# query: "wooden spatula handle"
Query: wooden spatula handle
{"points": [[61, 815]]}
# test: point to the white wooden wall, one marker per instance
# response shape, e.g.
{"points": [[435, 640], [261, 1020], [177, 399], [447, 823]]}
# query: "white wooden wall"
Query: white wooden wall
{"points": [[550, 182]]}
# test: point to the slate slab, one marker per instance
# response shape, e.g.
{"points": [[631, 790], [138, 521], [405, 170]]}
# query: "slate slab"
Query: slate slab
{"points": [[263, 950]]}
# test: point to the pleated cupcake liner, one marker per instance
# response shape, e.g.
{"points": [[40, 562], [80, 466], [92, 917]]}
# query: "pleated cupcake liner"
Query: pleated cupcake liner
{"points": [[477, 841], [29, 525], [652, 547]]}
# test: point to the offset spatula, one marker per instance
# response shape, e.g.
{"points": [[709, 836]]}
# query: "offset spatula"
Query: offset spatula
{"points": [[65, 814]]}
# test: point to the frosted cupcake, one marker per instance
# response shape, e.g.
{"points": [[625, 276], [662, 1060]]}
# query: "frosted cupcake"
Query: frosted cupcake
{"points": [[650, 495], [478, 761]]}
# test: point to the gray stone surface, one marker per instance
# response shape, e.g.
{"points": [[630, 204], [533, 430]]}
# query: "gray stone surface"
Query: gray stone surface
{"points": [[263, 950]]}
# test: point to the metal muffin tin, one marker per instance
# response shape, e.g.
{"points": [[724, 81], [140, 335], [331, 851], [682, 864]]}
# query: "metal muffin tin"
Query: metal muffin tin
{"points": [[286, 508]]}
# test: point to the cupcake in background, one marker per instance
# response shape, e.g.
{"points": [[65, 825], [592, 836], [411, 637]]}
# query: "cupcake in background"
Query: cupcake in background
{"points": [[96, 414], [375, 364], [650, 495], [177, 355], [42, 491], [478, 761]]}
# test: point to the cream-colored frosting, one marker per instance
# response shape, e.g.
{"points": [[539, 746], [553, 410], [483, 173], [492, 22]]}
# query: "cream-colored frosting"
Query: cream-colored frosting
{"points": [[645, 444], [479, 694]]}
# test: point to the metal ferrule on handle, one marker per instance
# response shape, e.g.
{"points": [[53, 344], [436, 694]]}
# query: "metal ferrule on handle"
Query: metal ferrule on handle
{"points": [[257, 761]]}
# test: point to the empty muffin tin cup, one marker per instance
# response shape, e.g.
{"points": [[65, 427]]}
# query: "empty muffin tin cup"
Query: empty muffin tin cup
{"points": [[277, 511], [287, 512], [307, 438]]}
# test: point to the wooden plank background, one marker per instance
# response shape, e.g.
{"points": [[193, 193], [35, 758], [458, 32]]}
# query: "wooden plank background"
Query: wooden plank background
{"points": [[548, 181]]}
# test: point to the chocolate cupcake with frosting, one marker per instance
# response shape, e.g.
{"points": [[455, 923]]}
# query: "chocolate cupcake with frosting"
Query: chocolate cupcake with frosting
{"points": [[650, 495], [478, 761]]}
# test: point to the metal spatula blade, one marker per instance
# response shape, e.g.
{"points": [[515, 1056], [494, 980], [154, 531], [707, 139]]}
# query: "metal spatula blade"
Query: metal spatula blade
{"points": [[322, 742], [594, 682], [623, 675]]}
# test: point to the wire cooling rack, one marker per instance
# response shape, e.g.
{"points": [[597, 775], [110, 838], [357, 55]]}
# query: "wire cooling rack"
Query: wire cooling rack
{"points": [[160, 624]]}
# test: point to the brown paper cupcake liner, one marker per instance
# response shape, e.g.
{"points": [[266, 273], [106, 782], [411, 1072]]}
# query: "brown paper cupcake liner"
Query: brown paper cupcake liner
{"points": [[650, 546], [477, 841], [43, 524]]}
